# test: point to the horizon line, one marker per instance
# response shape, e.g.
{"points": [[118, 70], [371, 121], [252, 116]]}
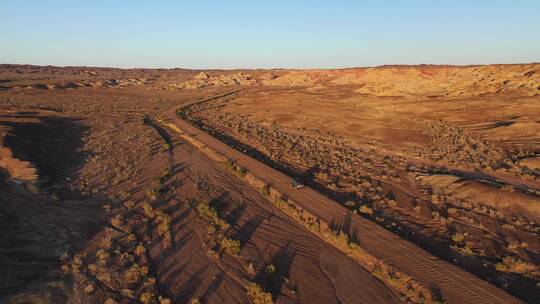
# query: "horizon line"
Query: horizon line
{"points": [[275, 68]]}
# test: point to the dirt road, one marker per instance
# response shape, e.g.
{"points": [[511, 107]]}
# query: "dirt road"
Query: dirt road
{"points": [[318, 272], [455, 284]]}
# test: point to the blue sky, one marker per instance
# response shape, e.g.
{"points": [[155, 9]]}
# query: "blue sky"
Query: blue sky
{"points": [[268, 34]]}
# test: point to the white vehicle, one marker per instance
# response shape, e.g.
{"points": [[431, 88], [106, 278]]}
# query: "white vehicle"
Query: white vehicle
{"points": [[296, 184]]}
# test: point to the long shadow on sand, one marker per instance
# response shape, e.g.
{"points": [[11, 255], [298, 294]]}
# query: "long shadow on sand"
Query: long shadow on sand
{"points": [[35, 230], [51, 145], [273, 275]]}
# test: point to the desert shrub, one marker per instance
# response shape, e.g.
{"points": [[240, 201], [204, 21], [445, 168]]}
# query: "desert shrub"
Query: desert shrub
{"points": [[128, 293], [221, 223], [467, 251], [147, 297], [151, 194], [164, 300], [458, 237], [211, 229], [205, 210], [463, 250], [144, 270], [140, 250], [251, 268], [148, 210], [77, 263], [392, 203], [166, 172], [270, 269], [515, 246], [231, 246], [265, 190], [212, 253], [89, 288], [149, 282], [129, 205], [508, 188], [235, 168], [229, 164], [132, 275], [164, 221], [365, 209], [342, 237], [258, 295], [393, 279], [104, 277], [123, 195], [321, 175], [241, 171], [514, 264], [107, 207], [116, 221], [280, 203]]}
